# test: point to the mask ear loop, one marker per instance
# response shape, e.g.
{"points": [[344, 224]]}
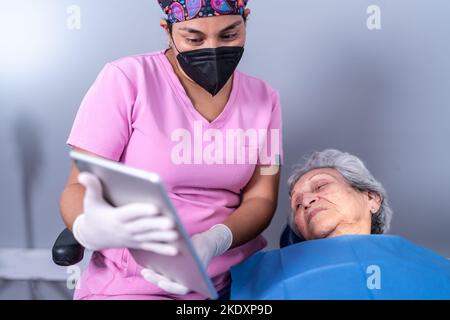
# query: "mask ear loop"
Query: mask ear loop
{"points": [[180, 54], [173, 41]]}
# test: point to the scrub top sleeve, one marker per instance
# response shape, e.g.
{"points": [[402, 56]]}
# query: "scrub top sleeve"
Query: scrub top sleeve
{"points": [[273, 148], [103, 124]]}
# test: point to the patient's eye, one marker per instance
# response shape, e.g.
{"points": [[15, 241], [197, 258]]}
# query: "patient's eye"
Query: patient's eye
{"points": [[321, 186], [297, 203]]}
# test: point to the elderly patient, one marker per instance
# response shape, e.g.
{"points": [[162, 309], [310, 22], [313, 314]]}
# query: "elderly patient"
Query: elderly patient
{"points": [[342, 212], [334, 194]]}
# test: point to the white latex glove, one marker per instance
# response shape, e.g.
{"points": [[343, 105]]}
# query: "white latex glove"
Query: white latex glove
{"points": [[209, 244], [136, 226]]}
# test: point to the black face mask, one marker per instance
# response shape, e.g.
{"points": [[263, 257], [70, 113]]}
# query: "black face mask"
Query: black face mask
{"points": [[211, 68]]}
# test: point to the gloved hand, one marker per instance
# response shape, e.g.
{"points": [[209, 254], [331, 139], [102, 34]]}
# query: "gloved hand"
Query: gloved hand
{"points": [[136, 226], [209, 244]]}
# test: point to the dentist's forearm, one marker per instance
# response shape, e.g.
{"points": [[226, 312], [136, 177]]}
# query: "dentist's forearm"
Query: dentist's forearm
{"points": [[250, 220], [71, 203]]}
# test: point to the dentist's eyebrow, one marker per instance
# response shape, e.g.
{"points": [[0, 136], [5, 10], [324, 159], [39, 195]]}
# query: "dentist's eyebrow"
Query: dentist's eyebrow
{"points": [[231, 26], [198, 32], [194, 31]]}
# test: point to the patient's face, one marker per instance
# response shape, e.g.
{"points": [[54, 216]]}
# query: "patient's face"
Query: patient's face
{"points": [[325, 205]]}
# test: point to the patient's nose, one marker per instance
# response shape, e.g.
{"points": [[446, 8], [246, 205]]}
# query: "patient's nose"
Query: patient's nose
{"points": [[308, 200]]}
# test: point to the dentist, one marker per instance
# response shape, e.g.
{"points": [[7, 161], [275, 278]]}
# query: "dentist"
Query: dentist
{"points": [[133, 113]]}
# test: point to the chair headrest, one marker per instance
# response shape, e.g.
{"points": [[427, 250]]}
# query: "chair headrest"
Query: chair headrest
{"points": [[289, 237]]}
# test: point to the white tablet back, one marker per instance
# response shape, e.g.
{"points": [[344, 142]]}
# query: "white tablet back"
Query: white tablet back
{"points": [[123, 185]]}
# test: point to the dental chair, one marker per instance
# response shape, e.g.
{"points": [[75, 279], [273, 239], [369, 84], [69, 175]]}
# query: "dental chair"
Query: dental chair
{"points": [[289, 237], [67, 251]]}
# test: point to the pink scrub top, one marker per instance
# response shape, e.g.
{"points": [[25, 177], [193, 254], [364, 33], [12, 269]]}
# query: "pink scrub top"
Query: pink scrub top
{"points": [[138, 113]]}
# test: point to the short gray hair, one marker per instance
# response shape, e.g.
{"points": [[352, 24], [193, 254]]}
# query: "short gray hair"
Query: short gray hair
{"points": [[357, 176]]}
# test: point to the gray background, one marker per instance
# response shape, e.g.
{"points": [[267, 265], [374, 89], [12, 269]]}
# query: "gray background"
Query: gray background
{"points": [[382, 95]]}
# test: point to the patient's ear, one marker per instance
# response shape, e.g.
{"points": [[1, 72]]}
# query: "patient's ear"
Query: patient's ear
{"points": [[374, 201]]}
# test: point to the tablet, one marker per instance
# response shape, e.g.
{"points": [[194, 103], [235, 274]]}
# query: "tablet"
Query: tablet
{"points": [[123, 185]]}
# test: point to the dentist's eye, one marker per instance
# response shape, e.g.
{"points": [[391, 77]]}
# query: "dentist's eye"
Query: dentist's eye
{"points": [[229, 36], [194, 41]]}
